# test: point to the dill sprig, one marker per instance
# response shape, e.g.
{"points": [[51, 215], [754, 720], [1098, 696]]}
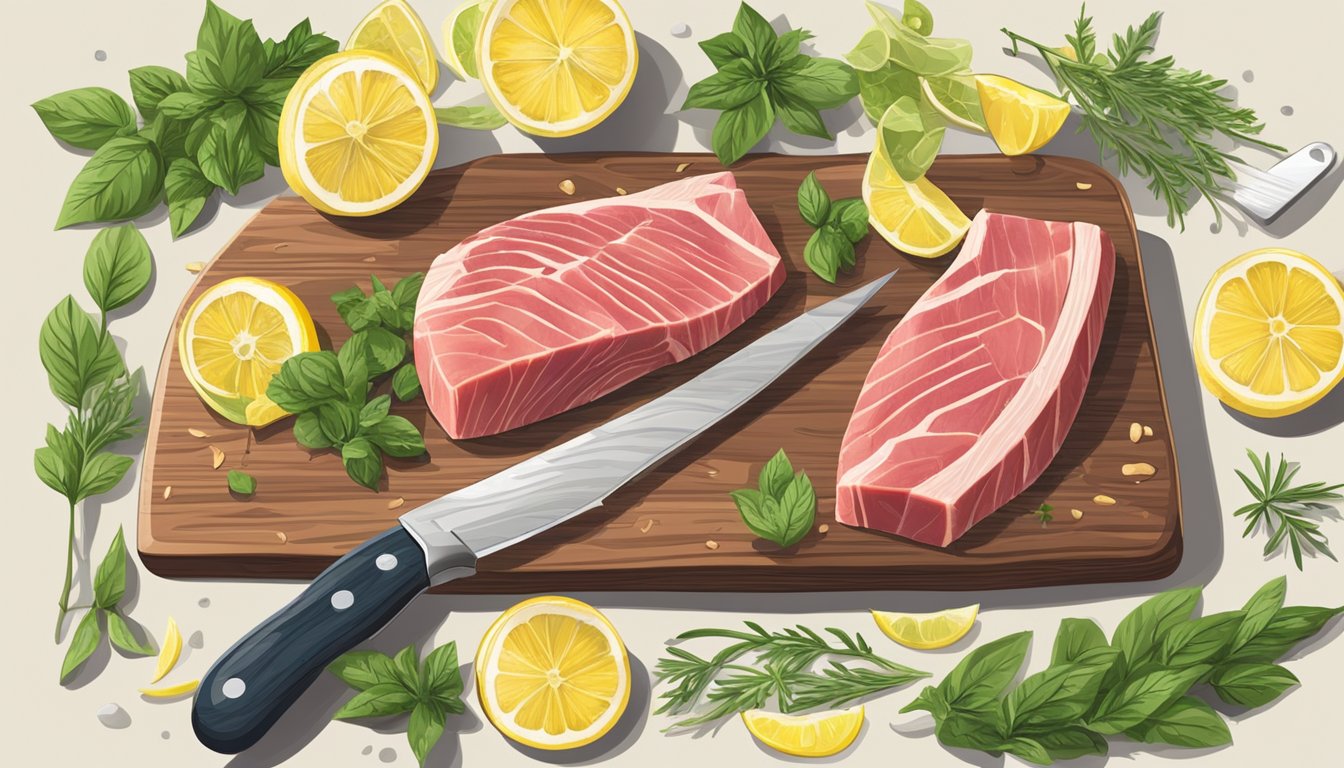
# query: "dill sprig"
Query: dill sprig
{"points": [[1281, 508], [781, 670], [1157, 119]]}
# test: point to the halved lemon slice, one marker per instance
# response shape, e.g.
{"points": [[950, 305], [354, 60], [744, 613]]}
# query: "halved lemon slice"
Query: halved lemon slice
{"points": [[926, 631], [357, 134], [556, 67], [819, 734], [1021, 119], [394, 30], [235, 337], [460, 31], [914, 216], [552, 673], [1269, 333]]}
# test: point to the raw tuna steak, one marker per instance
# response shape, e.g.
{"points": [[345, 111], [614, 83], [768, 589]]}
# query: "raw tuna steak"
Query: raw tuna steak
{"points": [[553, 309], [974, 391]]}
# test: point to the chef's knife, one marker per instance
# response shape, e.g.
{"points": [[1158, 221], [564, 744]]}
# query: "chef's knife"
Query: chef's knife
{"points": [[257, 679]]}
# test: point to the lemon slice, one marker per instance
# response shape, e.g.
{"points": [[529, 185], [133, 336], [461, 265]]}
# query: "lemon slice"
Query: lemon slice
{"points": [[459, 37], [957, 98], [552, 673], [556, 68], [1020, 119], [357, 134], [1269, 333], [395, 31], [235, 337], [171, 691], [820, 734], [169, 653], [914, 216], [925, 631]]}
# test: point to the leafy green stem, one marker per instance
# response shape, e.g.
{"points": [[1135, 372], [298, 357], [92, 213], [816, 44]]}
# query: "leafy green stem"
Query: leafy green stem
{"points": [[64, 602]]}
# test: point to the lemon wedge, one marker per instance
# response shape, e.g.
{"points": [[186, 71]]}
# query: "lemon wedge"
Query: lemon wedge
{"points": [[552, 673], [169, 653], [395, 31], [357, 134], [459, 37], [1020, 119], [235, 337], [914, 216], [1269, 333], [556, 67], [819, 734], [171, 691], [926, 631]]}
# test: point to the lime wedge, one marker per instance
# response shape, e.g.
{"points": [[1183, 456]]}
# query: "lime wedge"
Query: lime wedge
{"points": [[957, 99], [459, 38]]}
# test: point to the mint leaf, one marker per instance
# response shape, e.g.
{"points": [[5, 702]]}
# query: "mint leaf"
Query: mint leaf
{"points": [[776, 475], [187, 191], [82, 644], [227, 155], [1074, 638], [797, 115], [425, 728], [981, 677], [363, 462], [910, 134], [406, 382], [122, 636], [339, 421], [123, 180], [377, 700], [396, 437], [229, 55], [822, 83], [242, 483], [75, 354], [741, 128], [475, 118], [798, 510], [736, 83], [151, 85], [309, 433], [725, 48], [381, 349], [109, 583], [441, 678], [101, 473], [117, 267], [362, 670], [86, 117], [307, 380], [813, 203], [375, 410], [826, 251], [850, 216], [754, 31], [1185, 722]]}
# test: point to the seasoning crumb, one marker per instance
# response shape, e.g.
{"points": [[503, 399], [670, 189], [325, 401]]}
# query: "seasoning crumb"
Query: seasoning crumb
{"points": [[216, 457], [1077, 514], [369, 259], [100, 55], [1139, 469], [165, 735], [387, 754], [1103, 500], [1147, 431], [681, 30], [648, 524], [823, 528], [204, 602], [197, 639], [621, 191], [567, 187], [368, 750], [711, 544], [1084, 185], [682, 166], [1144, 514], [1135, 432], [194, 266], [713, 473], [113, 716], [1286, 111], [282, 536], [1248, 76], [167, 491], [397, 502], [194, 432]]}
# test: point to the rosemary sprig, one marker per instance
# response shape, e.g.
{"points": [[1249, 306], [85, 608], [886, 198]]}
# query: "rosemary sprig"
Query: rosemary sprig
{"points": [[1281, 507], [1159, 121]]}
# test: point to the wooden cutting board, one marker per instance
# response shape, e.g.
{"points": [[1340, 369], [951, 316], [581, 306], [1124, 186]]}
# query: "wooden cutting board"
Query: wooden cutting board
{"points": [[661, 532]]}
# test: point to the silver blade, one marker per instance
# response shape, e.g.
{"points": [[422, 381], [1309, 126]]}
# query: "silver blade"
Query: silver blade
{"points": [[577, 475]]}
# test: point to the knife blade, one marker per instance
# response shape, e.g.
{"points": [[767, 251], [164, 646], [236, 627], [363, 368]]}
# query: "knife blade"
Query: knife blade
{"points": [[256, 680]]}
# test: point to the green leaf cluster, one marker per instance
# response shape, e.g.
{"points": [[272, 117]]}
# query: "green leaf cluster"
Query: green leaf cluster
{"points": [[109, 589], [1284, 509], [429, 690], [215, 127], [762, 77], [839, 225], [783, 506], [901, 71], [330, 391], [1139, 684], [242, 483]]}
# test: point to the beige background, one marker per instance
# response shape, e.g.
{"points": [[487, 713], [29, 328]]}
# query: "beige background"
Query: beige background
{"points": [[1291, 46]]}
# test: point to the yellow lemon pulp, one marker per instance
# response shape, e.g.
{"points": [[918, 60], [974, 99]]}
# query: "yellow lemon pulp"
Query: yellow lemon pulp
{"points": [[1269, 333], [925, 631], [553, 674], [556, 67], [168, 655], [235, 337], [357, 134], [914, 216], [1020, 119], [394, 30], [816, 735]]}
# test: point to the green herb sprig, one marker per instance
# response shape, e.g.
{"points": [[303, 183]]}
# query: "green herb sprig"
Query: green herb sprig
{"points": [[780, 669], [762, 77], [1138, 684], [109, 589], [429, 690], [783, 506], [1282, 508], [1044, 513], [1157, 119], [839, 225]]}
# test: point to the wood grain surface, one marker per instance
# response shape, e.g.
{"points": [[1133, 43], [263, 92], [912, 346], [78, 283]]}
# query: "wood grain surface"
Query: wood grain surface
{"points": [[655, 533]]}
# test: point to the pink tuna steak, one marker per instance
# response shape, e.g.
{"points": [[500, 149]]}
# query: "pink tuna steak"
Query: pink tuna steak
{"points": [[553, 309], [972, 394]]}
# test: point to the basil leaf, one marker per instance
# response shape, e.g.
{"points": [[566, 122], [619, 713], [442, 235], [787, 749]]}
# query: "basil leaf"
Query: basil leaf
{"points": [[958, 94], [1185, 722], [734, 84], [440, 676], [741, 128], [362, 670], [117, 267], [242, 483], [776, 475], [356, 373], [1076, 636], [363, 462], [1290, 626], [301, 48], [1028, 749], [825, 251], [102, 472], [725, 48], [822, 83], [307, 380], [798, 508], [850, 216], [813, 202], [1055, 696], [406, 383], [425, 728], [86, 117], [910, 134], [227, 155], [406, 669], [930, 700], [380, 349], [1070, 742], [122, 636], [759, 512], [75, 354], [798, 116], [1260, 610], [881, 88], [338, 421], [185, 105], [122, 180], [1141, 633], [1200, 640], [229, 55], [309, 433], [261, 126], [982, 730], [109, 583], [82, 644], [407, 290], [377, 701], [980, 678], [59, 463], [396, 437], [475, 118], [375, 410], [784, 53], [51, 470], [110, 412], [1252, 685], [871, 52], [187, 190], [151, 85], [1125, 707], [755, 32]]}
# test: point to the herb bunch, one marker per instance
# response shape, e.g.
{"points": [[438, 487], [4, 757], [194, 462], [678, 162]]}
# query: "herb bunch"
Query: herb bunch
{"points": [[1157, 119], [1138, 684], [839, 225], [782, 507], [429, 690], [215, 127], [762, 76], [780, 669], [109, 589], [330, 390], [1283, 508]]}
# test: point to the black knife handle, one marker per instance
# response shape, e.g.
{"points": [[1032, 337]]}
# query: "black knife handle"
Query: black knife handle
{"points": [[256, 680]]}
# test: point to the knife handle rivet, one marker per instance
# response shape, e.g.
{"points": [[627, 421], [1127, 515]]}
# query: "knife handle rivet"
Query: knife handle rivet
{"points": [[386, 562], [342, 599], [233, 688]]}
